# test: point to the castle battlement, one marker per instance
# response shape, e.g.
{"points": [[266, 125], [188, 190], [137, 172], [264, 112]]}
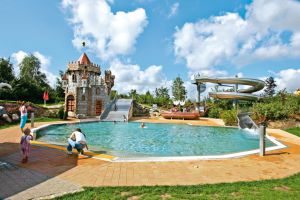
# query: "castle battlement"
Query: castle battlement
{"points": [[86, 91]]}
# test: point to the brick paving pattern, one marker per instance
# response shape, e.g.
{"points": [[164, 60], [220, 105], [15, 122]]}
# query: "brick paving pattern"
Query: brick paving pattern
{"points": [[21, 183], [52, 172]]}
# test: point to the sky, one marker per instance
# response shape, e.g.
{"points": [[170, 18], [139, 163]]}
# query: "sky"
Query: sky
{"points": [[148, 43]]}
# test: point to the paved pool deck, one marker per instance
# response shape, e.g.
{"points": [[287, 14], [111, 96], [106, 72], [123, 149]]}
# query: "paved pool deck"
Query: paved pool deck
{"points": [[50, 171]]}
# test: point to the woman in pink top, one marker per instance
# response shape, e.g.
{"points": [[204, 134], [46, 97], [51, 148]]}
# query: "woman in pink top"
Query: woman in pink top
{"points": [[25, 144]]}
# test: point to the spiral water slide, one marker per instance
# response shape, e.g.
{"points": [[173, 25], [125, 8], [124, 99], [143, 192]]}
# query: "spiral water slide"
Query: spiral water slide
{"points": [[244, 120], [4, 85], [239, 94]]}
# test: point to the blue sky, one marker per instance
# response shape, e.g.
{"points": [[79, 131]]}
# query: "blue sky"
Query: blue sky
{"points": [[147, 43]]}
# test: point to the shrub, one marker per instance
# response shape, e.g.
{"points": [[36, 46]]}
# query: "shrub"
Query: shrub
{"points": [[65, 115], [214, 112], [229, 117], [61, 113], [277, 109]]}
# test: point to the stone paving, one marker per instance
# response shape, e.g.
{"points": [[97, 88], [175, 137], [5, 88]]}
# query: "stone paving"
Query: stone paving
{"points": [[21, 183], [52, 172]]}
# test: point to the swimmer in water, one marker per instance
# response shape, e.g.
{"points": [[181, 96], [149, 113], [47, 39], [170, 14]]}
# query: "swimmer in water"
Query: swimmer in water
{"points": [[142, 125]]}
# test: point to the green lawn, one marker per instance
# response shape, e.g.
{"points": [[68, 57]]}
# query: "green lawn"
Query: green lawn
{"points": [[50, 104], [8, 125], [39, 119], [7, 101], [287, 188], [294, 130]]}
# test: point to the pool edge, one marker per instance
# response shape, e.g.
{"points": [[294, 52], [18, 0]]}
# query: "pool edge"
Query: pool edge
{"points": [[111, 158]]}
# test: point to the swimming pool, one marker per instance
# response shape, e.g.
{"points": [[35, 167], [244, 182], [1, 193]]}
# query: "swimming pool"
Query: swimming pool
{"points": [[156, 140]]}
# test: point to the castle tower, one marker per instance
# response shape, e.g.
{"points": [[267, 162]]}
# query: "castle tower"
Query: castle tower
{"points": [[86, 93]]}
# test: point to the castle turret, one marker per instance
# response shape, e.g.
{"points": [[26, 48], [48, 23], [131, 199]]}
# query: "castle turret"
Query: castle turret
{"points": [[85, 95]]}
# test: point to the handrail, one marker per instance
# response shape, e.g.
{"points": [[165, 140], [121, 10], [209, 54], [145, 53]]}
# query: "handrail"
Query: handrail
{"points": [[2, 85], [242, 94], [108, 107], [130, 111]]}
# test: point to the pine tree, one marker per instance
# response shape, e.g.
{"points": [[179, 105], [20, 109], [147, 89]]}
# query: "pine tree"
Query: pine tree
{"points": [[178, 89], [270, 86]]}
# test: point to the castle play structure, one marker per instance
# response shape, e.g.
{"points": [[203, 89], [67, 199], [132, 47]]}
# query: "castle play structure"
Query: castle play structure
{"points": [[86, 92]]}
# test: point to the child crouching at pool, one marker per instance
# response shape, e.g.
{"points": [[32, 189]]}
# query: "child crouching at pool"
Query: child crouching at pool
{"points": [[25, 144]]}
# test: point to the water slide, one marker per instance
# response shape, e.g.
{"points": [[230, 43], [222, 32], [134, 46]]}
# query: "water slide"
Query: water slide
{"points": [[121, 108], [244, 120], [5, 85], [240, 94]]}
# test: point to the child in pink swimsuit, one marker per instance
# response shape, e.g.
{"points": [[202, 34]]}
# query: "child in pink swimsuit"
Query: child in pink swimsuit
{"points": [[25, 144]]}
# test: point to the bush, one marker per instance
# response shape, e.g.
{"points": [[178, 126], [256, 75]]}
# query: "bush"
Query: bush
{"points": [[214, 112], [229, 117], [65, 115], [276, 109], [61, 113]]}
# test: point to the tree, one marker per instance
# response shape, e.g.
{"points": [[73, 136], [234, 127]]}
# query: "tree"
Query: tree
{"points": [[6, 71], [162, 92], [27, 91], [162, 96], [178, 89], [30, 70], [133, 94], [59, 91], [148, 97], [270, 87]]}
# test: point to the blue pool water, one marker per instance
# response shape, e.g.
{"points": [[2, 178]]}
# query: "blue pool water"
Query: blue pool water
{"points": [[129, 140]]}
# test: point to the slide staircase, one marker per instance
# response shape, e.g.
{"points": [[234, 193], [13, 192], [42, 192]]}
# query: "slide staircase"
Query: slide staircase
{"points": [[121, 108]]}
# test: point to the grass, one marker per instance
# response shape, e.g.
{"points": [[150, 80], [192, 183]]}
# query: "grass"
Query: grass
{"points": [[286, 188], [50, 104], [9, 125], [7, 101], [39, 119], [294, 130], [37, 104]]}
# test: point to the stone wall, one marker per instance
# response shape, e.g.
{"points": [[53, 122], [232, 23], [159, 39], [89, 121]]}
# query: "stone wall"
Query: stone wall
{"points": [[139, 110], [87, 106], [94, 97], [82, 104]]}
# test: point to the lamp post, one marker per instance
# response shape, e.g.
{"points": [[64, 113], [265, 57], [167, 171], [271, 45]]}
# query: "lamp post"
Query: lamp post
{"points": [[198, 96], [262, 139]]}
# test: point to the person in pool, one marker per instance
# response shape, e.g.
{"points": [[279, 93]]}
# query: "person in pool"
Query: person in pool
{"points": [[142, 125], [77, 140]]}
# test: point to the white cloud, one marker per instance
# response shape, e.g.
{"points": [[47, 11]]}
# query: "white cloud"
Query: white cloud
{"points": [[173, 10], [106, 33], [45, 63], [270, 30], [129, 76], [17, 58], [289, 79], [191, 90], [240, 75]]}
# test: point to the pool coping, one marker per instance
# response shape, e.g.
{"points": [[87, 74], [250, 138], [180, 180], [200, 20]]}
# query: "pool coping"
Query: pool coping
{"points": [[111, 158]]}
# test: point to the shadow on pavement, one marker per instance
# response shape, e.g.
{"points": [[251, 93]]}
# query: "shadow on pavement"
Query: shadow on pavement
{"points": [[43, 166]]}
